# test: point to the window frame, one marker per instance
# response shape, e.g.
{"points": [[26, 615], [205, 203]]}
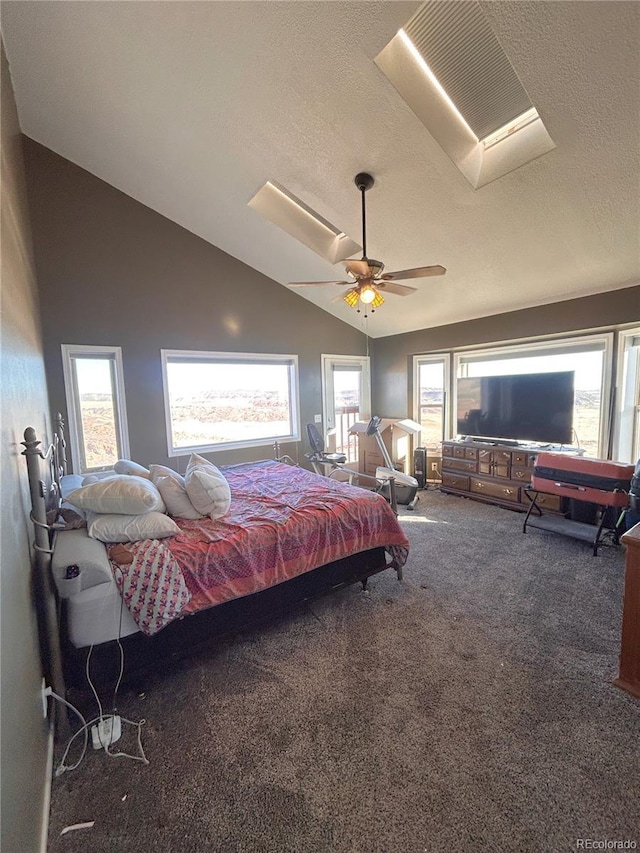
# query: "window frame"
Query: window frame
{"points": [[329, 363], [289, 359], [602, 341], [530, 347], [433, 358], [626, 442], [69, 352]]}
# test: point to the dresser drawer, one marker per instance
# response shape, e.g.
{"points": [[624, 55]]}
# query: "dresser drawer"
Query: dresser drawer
{"points": [[495, 490], [460, 465], [455, 481], [458, 451], [522, 475], [471, 453], [523, 459]]}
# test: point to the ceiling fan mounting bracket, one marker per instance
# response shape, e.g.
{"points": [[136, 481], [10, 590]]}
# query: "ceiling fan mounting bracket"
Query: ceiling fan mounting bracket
{"points": [[364, 181]]}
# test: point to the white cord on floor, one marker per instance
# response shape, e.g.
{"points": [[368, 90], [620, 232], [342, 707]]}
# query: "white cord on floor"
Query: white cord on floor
{"points": [[86, 726], [62, 767]]}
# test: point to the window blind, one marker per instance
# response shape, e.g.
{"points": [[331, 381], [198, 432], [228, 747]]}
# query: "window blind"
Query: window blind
{"points": [[461, 49]]}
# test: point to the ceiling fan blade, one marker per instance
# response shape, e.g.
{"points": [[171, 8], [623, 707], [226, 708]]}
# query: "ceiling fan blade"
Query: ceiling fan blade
{"points": [[398, 289], [314, 283], [358, 268], [341, 296], [417, 272]]}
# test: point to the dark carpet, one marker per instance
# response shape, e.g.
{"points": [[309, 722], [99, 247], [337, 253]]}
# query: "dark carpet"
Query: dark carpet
{"points": [[469, 707]]}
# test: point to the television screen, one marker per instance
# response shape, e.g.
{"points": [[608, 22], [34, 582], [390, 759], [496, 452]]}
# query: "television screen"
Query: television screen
{"points": [[527, 407]]}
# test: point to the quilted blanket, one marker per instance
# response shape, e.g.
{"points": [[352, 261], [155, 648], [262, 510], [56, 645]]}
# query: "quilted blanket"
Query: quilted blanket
{"points": [[283, 521]]}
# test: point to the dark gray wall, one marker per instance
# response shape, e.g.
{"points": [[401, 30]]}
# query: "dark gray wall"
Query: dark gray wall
{"points": [[24, 403], [113, 272], [392, 356]]}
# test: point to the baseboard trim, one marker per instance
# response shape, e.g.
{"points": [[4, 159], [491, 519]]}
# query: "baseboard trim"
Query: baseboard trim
{"points": [[46, 804]]}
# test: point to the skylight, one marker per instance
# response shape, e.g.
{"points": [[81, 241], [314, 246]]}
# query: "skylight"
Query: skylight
{"points": [[281, 207], [458, 44], [450, 68]]}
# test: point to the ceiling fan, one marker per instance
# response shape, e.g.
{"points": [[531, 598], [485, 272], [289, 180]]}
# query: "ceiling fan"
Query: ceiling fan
{"points": [[366, 277]]}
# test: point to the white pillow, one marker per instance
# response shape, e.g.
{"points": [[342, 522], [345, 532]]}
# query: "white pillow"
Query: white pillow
{"points": [[126, 466], [69, 483], [130, 528], [123, 494], [175, 496], [158, 471], [207, 488]]}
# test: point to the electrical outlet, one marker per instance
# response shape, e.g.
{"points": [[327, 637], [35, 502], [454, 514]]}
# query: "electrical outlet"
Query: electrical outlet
{"points": [[317, 419], [44, 698]]}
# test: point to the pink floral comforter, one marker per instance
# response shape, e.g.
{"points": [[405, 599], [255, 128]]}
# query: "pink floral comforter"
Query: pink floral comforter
{"points": [[283, 521]]}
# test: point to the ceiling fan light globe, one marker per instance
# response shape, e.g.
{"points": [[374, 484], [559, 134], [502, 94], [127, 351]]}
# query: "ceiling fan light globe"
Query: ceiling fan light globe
{"points": [[368, 294]]}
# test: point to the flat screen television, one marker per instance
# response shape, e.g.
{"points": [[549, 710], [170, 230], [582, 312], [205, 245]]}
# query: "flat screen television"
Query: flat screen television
{"points": [[526, 407]]}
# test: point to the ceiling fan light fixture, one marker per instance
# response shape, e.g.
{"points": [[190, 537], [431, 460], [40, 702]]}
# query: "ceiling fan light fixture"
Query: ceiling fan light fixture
{"points": [[351, 297], [377, 302], [368, 294]]}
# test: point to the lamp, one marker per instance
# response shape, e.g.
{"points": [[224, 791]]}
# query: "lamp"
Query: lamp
{"points": [[368, 295]]}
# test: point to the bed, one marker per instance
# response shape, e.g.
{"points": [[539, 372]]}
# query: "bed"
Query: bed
{"points": [[288, 535]]}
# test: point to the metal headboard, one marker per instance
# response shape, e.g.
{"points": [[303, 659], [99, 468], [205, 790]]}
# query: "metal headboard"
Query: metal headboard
{"points": [[45, 469]]}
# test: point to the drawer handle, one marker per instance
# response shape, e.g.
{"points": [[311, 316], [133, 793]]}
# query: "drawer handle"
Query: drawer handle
{"points": [[508, 491], [519, 475]]}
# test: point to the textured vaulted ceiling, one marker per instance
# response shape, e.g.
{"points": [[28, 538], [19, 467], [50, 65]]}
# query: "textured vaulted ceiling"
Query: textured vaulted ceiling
{"points": [[191, 107]]}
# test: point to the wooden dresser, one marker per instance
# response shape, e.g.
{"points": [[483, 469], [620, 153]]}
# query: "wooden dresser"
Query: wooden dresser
{"points": [[629, 675], [493, 473]]}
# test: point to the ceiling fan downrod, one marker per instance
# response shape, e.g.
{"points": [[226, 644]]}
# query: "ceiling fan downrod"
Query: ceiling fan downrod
{"points": [[364, 182]]}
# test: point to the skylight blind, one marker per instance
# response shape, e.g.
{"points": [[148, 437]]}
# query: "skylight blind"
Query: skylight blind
{"points": [[459, 46]]}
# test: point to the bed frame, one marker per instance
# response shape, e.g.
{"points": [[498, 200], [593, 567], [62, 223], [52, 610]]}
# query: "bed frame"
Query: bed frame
{"points": [[65, 665]]}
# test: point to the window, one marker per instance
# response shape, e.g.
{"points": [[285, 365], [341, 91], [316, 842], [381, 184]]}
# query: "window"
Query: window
{"points": [[627, 446], [223, 401], [431, 380], [346, 393], [589, 357], [94, 389]]}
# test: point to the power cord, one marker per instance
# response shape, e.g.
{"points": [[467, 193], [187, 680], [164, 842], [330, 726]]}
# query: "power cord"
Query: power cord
{"points": [[105, 724], [62, 767]]}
